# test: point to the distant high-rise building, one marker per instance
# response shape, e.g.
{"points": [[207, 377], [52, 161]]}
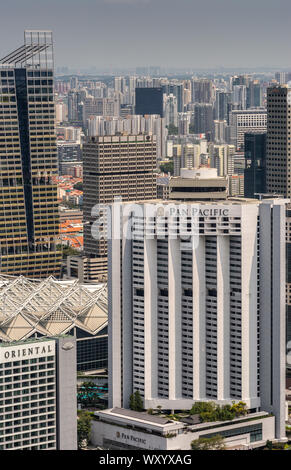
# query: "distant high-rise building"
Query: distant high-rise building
{"points": [[203, 118], [115, 166], [239, 96], [222, 105], [239, 80], [254, 95], [278, 170], [255, 170], [149, 101], [219, 131], [203, 91], [183, 123], [75, 109], [171, 110], [282, 77], [246, 121], [28, 152], [176, 89]]}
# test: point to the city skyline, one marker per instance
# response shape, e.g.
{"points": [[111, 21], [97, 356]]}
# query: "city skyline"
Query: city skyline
{"points": [[132, 33]]}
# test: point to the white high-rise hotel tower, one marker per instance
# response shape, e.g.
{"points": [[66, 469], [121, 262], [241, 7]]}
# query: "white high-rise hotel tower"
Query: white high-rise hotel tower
{"points": [[201, 318]]}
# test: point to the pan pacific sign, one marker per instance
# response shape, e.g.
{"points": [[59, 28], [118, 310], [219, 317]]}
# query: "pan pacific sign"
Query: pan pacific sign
{"points": [[27, 351], [130, 437]]}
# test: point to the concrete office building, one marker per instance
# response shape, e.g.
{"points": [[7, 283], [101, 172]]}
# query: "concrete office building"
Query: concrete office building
{"points": [[246, 121], [38, 404], [278, 170], [203, 119], [197, 305], [115, 166]]}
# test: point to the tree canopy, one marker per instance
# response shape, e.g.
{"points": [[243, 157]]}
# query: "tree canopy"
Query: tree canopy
{"points": [[84, 427], [210, 411], [136, 402], [167, 167], [210, 443]]}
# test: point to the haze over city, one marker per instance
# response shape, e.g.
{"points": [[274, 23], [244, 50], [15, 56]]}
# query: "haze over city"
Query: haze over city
{"points": [[112, 34]]}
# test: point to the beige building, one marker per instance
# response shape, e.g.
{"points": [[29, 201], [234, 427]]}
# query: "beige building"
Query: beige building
{"points": [[115, 166]]}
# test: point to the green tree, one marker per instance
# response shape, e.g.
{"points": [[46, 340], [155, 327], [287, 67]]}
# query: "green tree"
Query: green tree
{"points": [[269, 445], [67, 251], [88, 385], [167, 167], [239, 408], [79, 186], [209, 411], [210, 443], [84, 428], [132, 402], [172, 130], [203, 407], [225, 413], [135, 401]]}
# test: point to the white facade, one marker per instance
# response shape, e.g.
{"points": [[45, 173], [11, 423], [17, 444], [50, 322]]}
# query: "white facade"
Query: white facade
{"points": [[134, 125], [38, 394], [185, 314], [116, 430], [245, 121]]}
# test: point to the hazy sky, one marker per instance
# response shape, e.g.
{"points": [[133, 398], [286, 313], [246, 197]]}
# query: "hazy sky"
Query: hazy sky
{"points": [[171, 33]]}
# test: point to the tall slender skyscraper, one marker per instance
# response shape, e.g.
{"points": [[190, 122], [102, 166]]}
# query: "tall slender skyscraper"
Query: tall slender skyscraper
{"points": [[278, 169], [29, 217], [255, 172], [278, 172]]}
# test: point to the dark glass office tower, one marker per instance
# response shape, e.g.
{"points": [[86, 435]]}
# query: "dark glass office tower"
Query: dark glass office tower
{"points": [[255, 170], [149, 101], [29, 220], [254, 95]]}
